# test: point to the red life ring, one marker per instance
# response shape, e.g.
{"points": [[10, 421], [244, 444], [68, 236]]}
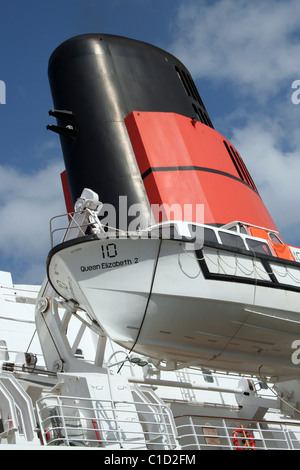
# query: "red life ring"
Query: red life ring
{"points": [[243, 439], [47, 437]]}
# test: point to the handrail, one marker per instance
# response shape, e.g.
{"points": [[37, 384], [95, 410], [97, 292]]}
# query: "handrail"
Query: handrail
{"points": [[267, 434], [72, 420]]}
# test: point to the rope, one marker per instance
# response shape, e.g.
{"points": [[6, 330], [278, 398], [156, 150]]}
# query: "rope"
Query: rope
{"points": [[287, 273], [147, 303], [221, 263]]}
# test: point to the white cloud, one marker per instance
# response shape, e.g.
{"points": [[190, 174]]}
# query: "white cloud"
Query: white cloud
{"points": [[28, 201], [252, 44], [275, 172]]}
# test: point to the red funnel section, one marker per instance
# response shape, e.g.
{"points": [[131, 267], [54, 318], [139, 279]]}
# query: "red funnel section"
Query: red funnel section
{"points": [[184, 162]]}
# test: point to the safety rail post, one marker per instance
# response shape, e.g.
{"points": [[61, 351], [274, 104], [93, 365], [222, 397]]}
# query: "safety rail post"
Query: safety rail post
{"points": [[165, 425], [64, 427], [164, 412], [288, 439], [60, 416], [194, 433], [172, 426], [229, 438], [261, 433], [73, 224], [113, 406]]}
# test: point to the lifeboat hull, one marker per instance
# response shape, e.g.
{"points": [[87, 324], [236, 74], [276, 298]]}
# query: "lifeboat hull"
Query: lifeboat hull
{"points": [[180, 305]]}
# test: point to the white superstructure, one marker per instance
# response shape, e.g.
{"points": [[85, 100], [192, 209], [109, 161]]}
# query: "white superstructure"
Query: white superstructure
{"points": [[73, 373]]}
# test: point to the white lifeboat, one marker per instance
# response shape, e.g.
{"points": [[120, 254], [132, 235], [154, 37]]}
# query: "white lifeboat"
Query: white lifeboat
{"points": [[218, 303]]}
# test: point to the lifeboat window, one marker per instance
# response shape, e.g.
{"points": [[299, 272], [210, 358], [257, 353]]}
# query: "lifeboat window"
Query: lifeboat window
{"points": [[167, 232], [201, 234], [210, 236], [196, 233], [259, 247], [239, 228], [231, 240], [274, 238]]}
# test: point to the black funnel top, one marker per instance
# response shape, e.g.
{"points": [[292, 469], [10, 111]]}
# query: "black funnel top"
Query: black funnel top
{"points": [[96, 81]]}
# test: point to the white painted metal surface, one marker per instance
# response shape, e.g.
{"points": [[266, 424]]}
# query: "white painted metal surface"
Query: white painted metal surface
{"points": [[65, 381]]}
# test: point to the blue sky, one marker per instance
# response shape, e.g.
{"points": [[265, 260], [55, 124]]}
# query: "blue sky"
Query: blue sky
{"points": [[244, 57]]}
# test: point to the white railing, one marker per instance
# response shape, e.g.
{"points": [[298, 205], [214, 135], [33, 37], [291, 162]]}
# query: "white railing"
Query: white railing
{"points": [[16, 411], [74, 421], [212, 433]]}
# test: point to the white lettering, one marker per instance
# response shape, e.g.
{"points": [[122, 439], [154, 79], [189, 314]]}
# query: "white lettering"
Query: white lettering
{"points": [[296, 94], [164, 212], [2, 92], [108, 216], [114, 264], [174, 459], [296, 354], [115, 460]]}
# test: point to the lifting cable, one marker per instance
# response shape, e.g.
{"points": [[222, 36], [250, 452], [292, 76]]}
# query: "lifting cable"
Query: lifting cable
{"points": [[147, 303]]}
